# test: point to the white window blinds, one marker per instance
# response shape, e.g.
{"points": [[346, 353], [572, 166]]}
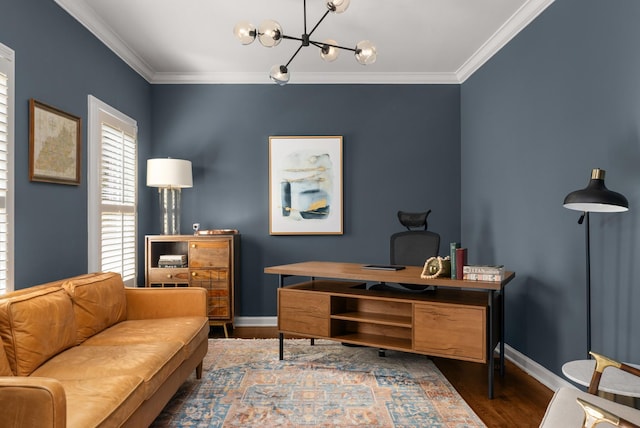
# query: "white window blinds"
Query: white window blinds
{"points": [[113, 196], [6, 169], [118, 202]]}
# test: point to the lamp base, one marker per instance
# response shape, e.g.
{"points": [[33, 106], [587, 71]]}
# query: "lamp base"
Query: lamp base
{"points": [[169, 210]]}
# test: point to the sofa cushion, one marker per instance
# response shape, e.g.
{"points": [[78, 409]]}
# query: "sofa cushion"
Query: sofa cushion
{"points": [[153, 362], [97, 402], [190, 331], [5, 368], [34, 326], [98, 301]]}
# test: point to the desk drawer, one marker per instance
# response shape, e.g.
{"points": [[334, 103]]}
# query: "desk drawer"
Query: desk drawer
{"points": [[303, 312], [449, 330]]}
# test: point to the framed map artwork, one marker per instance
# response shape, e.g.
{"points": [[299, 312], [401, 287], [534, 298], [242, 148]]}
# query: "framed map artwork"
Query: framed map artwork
{"points": [[54, 145]]}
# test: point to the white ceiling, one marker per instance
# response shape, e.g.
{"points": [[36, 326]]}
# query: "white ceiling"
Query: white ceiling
{"points": [[418, 41]]}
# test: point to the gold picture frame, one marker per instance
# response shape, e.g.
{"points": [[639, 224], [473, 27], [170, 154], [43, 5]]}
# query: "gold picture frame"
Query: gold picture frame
{"points": [[305, 185], [54, 145]]}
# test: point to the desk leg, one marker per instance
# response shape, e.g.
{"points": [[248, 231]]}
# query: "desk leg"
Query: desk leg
{"points": [[281, 335], [491, 361], [502, 303]]}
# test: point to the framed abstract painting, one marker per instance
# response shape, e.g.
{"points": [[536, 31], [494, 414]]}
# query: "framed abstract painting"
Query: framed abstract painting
{"points": [[305, 185]]}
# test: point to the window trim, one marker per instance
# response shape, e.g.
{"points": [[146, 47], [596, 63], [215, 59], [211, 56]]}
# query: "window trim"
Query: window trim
{"points": [[94, 131], [7, 55]]}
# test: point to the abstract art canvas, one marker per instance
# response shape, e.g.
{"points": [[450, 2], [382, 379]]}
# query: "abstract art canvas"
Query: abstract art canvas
{"points": [[305, 185]]}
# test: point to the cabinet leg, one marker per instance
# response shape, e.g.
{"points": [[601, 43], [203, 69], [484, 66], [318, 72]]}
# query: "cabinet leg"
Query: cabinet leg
{"points": [[281, 346], [381, 352]]}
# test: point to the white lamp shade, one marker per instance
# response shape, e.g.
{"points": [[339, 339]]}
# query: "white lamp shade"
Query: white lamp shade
{"points": [[173, 173]]}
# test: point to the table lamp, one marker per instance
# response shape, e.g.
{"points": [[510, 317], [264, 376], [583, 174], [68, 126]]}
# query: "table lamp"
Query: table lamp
{"points": [[169, 176], [594, 198]]}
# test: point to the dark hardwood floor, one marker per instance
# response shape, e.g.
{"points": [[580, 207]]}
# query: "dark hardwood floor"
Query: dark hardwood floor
{"points": [[519, 400]]}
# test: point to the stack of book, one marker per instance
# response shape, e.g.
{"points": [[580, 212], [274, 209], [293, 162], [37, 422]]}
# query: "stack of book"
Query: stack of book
{"points": [[483, 272], [172, 261]]}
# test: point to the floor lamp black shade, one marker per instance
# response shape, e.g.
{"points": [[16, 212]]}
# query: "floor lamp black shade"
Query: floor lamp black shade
{"points": [[594, 198]]}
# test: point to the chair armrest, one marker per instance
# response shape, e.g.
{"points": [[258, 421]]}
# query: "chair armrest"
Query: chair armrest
{"points": [[32, 402], [594, 415], [154, 303], [602, 363]]}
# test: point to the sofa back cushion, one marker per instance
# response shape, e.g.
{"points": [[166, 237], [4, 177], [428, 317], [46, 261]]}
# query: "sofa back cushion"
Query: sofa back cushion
{"points": [[99, 301], [35, 325], [5, 368]]}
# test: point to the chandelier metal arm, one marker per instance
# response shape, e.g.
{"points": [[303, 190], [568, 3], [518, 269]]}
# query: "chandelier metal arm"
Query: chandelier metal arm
{"points": [[294, 55], [316, 26], [323, 44]]}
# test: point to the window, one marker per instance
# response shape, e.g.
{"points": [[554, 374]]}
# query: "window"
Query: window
{"points": [[7, 67], [112, 154]]}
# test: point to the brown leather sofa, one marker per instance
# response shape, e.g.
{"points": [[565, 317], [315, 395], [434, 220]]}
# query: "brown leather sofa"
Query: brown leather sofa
{"points": [[89, 352]]}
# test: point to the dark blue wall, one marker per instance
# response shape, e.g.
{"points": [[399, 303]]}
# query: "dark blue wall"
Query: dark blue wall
{"points": [[59, 63], [562, 98], [401, 150]]}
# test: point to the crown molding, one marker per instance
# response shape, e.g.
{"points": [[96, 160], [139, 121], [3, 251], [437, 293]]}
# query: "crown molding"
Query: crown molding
{"points": [[516, 23], [303, 78], [87, 17]]}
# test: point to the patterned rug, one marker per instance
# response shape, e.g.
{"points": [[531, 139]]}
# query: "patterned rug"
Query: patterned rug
{"points": [[244, 384]]}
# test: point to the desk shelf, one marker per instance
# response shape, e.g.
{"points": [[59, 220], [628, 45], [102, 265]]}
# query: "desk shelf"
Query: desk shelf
{"points": [[373, 318], [376, 341]]}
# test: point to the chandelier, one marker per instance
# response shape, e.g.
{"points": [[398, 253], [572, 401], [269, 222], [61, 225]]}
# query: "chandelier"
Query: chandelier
{"points": [[270, 34]]}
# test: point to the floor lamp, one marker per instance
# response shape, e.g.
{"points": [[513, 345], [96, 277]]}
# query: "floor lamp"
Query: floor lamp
{"points": [[594, 198], [169, 176]]}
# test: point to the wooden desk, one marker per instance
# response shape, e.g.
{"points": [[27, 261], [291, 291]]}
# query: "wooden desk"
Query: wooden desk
{"points": [[459, 319]]}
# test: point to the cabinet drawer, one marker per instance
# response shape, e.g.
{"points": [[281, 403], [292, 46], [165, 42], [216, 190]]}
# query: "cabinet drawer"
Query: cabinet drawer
{"points": [[208, 254], [303, 312], [218, 307], [164, 275], [448, 330], [209, 275]]}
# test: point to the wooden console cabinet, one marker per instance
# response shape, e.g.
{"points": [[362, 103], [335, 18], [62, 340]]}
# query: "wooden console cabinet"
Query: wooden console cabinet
{"points": [[212, 263], [459, 319]]}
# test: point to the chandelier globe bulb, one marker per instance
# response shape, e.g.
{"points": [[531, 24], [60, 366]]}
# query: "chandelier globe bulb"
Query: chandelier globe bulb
{"points": [[245, 32], [366, 52], [329, 53], [338, 6], [270, 33], [279, 74]]}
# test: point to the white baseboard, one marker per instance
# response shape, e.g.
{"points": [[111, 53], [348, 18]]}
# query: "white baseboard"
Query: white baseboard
{"points": [[255, 321], [535, 370]]}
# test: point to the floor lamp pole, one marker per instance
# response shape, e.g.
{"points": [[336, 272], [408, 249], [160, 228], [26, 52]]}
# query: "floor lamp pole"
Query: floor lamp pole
{"points": [[588, 296], [596, 198]]}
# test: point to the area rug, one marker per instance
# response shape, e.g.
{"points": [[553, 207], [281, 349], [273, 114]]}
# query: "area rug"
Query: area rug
{"points": [[244, 384]]}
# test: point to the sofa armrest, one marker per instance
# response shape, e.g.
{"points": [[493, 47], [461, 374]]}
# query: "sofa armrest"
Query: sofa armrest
{"points": [[153, 303], [31, 402]]}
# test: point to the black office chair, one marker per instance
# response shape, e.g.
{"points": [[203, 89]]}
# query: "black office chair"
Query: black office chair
{"points": [[411, 247]]}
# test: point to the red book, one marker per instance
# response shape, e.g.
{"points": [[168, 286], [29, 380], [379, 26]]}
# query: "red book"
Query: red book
{"points": [[461, 260]]}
